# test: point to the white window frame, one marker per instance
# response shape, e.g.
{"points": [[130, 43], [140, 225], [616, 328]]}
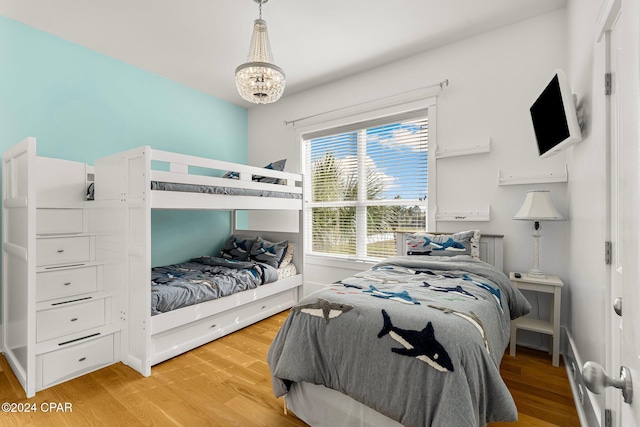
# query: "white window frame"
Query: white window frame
{"points": [[361, 114]]}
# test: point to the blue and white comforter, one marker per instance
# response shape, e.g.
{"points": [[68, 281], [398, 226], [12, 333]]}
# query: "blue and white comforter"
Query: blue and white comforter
{"points": [[419, 339]]}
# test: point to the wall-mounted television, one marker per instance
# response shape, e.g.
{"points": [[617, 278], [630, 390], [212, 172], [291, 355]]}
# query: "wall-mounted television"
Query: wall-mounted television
{"points": [[554, 116]]}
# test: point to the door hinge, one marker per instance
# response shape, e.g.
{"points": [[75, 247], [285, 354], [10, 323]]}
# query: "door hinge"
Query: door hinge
{"points": [[607, 252], [607, 418], [607, 83]]}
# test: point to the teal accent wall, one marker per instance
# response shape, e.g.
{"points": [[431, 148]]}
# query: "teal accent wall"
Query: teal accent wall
{"points": [[81, 105]]}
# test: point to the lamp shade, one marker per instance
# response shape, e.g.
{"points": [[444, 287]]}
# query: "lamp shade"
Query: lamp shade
{"points": [[538, 206]]}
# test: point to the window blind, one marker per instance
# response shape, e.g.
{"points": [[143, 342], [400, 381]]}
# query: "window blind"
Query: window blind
{"points": [[365, 182]]}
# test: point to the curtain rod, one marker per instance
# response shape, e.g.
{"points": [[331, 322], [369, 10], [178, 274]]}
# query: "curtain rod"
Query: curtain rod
{"points": [[442, 84]]}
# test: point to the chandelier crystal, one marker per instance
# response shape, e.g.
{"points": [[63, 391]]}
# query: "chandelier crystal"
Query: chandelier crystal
{"points": [[259, 80]]}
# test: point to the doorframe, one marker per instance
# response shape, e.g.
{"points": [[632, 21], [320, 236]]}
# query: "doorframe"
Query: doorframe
{"points": [[608, 17]]}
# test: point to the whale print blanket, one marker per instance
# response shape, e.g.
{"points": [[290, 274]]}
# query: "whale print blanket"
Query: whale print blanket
{"points": [[203, 279], [419, 339]]}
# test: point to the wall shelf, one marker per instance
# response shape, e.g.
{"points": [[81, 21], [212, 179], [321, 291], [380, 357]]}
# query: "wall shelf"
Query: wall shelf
{"points": [[474, 215], [463, 150], [533, 178]]}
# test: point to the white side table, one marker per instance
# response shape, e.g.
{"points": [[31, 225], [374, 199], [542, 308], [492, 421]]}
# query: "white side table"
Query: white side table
{"points": [[547, 284]]}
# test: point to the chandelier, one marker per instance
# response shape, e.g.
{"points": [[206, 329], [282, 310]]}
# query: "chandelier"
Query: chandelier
{"points": [[259, 80]]}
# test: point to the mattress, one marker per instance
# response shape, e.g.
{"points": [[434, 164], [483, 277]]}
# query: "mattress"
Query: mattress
{"points": [[320, 406], [207, 189]]}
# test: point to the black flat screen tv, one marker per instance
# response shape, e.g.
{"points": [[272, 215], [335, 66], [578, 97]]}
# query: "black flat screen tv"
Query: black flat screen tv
{"points": [[554, 116]]}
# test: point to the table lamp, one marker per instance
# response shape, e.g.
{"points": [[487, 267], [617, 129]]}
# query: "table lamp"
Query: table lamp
{"points": [[537, 207]]}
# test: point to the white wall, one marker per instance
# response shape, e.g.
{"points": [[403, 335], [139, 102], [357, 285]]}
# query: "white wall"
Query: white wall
{"points": [[494, 77], [493, 80]]}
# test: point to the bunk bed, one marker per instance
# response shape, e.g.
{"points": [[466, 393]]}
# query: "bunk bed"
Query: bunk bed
{"points": [[340, 358], [137, 181]]}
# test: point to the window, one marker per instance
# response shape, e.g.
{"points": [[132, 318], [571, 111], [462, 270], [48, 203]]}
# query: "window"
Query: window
{"points": [[364, 182]]}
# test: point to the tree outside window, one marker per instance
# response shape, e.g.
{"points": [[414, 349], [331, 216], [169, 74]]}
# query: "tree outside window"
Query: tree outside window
{"points": [[365, 185]]}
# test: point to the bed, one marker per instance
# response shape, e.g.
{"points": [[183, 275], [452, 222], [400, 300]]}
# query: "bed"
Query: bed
{"points": [[416, 340], [207, 278], [128, 186]]}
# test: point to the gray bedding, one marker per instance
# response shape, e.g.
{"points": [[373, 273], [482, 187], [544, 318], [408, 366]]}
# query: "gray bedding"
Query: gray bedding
{"points": [[203, 279], [418, 339], [192, 188]]}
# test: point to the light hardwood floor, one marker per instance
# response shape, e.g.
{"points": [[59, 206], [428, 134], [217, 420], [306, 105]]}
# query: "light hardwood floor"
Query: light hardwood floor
{"points": [[226, 383]]}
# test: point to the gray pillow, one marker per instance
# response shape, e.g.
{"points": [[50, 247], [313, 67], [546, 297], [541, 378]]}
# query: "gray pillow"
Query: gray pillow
{"points": [[237, 248], [268, 252], [277, 166]]}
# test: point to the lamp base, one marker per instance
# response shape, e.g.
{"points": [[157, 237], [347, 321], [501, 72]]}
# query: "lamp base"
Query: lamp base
{"points": [[534, 273]]}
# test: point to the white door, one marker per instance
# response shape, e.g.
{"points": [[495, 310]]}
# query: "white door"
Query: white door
{"points": [[623, 59], [626, 52]]}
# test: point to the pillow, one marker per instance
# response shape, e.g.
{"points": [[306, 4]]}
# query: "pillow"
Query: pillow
{"points": [[237, 248], [277, 166], [417, 244], [268, 252], [461, 243], [91, 192], [288, 256]]}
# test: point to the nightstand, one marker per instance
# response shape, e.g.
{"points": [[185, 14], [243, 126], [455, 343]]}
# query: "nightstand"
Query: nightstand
{"points": [[547, 284]]}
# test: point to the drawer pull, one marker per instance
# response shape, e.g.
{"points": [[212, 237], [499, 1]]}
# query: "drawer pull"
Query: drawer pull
{"points": [[263, 307], [60, 251], [79, 339], [74, 319], [213, 326], [67, 283], [82, 359], [72, 300]]}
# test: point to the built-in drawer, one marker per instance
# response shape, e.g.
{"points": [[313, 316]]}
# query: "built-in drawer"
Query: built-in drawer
{"points": [[63, 250], [75, 360], [56, 221], [67, 282], [177, 340], [63, 320]]}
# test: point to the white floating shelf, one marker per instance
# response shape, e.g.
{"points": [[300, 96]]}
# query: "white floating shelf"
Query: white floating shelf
{"points": [[464, 150], [534, 178], [476, 215]]}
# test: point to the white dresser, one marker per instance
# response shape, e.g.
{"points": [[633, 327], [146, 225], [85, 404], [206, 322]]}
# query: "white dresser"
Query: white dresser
{"points": [[58, 316], [74, 334]]}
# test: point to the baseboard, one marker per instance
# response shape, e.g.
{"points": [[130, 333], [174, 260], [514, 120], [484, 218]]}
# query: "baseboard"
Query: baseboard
{"points": [[587, 413]]}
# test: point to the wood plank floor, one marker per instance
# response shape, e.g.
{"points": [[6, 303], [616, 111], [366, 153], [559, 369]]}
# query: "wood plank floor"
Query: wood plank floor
{"points": [[226, 383]]}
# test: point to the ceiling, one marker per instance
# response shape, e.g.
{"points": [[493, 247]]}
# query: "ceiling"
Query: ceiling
{"points": [[199, 43]]}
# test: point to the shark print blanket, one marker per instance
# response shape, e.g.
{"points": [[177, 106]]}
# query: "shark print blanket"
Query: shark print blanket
{"points": [[203, 279], [417, 338]]}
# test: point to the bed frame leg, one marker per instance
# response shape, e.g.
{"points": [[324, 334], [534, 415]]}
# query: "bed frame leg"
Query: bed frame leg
{"points": [[285, 406]]}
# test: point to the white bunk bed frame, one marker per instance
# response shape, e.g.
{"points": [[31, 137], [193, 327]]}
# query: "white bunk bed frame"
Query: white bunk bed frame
{"points": [[124, 181]]}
